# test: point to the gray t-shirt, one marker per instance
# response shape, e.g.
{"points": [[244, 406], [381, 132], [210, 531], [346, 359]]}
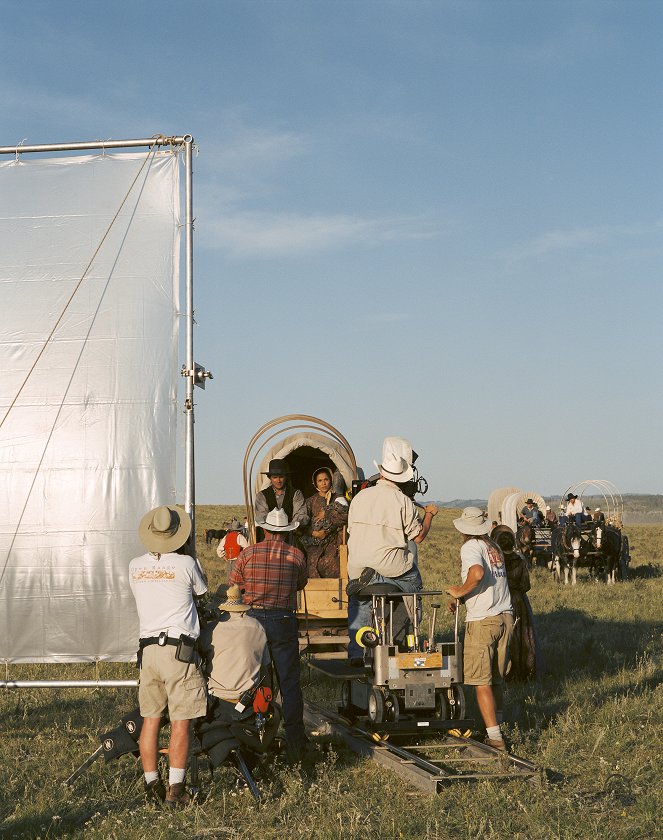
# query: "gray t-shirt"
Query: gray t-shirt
{"points": [[492, 596]]}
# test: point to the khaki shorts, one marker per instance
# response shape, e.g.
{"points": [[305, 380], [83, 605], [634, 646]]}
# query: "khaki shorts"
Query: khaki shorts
{"points": [[167, 683], [486, 650]]}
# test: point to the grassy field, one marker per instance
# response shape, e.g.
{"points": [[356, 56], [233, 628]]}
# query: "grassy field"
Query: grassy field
{"points": [[594, 721]]}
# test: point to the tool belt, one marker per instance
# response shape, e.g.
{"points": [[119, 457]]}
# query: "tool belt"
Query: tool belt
{"points": [[186, 647]]}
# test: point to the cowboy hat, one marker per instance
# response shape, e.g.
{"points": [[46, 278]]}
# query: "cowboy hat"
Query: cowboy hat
{"points": [[164, 529], [570, 496], [233, 602], [277, 467], [234, 525], [472, 521], [277, 520], [394, 468], [530, 502]]}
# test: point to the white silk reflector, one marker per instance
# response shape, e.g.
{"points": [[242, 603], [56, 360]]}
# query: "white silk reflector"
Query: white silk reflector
{"points": [[89, 301]]}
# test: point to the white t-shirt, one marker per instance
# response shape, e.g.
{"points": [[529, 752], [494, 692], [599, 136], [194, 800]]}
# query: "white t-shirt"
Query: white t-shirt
{"points": [[573, 507], [492, 596], [164, 587]]}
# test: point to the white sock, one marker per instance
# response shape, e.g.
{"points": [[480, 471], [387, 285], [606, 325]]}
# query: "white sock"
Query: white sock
{"points": [[175, 775], [151, 776], [493, 732]]}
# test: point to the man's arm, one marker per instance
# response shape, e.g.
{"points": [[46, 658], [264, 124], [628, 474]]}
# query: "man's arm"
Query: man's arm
{"points": [[260, 507], [474, 577], [430, 512], [299, 513]]}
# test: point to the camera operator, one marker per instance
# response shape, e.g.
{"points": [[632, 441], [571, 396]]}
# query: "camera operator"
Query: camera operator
{"points": [[381, 522]]}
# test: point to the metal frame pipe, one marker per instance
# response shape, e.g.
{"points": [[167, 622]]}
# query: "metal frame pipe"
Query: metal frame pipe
{"points": [[157, 140], [68, 683]]}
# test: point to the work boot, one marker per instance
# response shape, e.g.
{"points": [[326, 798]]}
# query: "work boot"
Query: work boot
{"points": [[178, 796], [155, 792], [496, 744]]}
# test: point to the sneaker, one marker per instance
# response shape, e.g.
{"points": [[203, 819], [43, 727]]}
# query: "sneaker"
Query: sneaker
{"points": [[155, 791], [178, 796], [496, 744]]}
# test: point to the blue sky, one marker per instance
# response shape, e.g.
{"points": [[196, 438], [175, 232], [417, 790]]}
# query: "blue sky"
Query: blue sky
{"points": [[440, 220]]}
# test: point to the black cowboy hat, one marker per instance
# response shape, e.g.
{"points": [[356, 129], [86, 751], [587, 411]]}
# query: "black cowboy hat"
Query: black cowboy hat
{"points": [[277, 467], [570, 496], [530, 502]]}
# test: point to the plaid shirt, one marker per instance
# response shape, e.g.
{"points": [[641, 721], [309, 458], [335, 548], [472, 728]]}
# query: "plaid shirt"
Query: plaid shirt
{"points": [[270, 573]]}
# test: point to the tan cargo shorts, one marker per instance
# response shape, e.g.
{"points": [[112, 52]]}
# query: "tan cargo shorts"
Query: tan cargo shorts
{"points": [[167, 683], [486, 649]]}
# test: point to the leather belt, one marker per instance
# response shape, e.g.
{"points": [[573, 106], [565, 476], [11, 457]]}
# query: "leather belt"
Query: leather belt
{"points": [[154, 640]]}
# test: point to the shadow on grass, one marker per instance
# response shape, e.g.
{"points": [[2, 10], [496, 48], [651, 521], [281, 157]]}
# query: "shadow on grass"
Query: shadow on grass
{"points": [[645, 571], [52, 824]]}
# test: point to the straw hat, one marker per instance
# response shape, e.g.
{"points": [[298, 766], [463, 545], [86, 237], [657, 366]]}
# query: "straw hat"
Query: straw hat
{"points": [[473, 522], [277, 520], [233, 602], [164, 529]]}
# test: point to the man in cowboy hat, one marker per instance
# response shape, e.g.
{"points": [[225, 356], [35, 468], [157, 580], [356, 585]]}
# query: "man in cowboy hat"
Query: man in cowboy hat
{"points": [[232, 544], [530, 513], [271, 573], [165, 582], [236, 649], [381, 522], [489, 618], [280, 494], [574, 508]]}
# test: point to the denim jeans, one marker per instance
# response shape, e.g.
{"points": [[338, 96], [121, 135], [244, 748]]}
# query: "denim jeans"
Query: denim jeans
{"points": [[281, 629], [359, 612]]}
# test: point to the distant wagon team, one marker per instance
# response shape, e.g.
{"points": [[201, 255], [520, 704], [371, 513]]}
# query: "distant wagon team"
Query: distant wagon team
{"points": [[213, 674]]}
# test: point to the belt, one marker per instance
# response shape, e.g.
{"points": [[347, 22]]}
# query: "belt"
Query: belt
{"points": [[154, 640], [272, 609]]}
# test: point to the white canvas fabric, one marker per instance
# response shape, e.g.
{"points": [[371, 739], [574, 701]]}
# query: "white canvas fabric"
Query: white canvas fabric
{"points": [[88, 393]]}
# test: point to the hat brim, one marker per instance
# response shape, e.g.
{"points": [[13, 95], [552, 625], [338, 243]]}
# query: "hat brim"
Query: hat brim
{"points": [[472, 530], [267, 527], [162, 545], [234, 607], [397, 478]]}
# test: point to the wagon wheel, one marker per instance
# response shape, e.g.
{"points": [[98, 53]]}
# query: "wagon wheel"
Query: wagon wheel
{"points": [[624, 559], [450, 703], [376, 706]]}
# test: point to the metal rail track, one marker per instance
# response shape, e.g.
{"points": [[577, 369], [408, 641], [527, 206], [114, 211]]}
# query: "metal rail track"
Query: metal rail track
{"points": [[427, 766]]}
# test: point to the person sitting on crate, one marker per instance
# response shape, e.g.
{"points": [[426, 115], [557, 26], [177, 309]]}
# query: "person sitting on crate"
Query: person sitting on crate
{"points": [[237, 664], [489, 618], [328, 513], [551, 518], [271, 573], [381, 521]]}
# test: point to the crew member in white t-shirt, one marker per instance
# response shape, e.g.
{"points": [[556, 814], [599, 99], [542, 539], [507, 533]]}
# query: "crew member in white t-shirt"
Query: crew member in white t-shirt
{"points": [[489, 618], [165, 583]]}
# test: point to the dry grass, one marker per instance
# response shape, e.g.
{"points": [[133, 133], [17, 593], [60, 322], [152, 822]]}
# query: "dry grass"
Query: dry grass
{"points": [[594, 721]]}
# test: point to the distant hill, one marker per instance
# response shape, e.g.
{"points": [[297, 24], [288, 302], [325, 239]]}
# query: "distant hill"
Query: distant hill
{"points": [[639, 509]]}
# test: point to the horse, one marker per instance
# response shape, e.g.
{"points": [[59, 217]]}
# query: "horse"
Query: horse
{"points": [[607, 541], [213, 534], [525, 538], [570, 550]]}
